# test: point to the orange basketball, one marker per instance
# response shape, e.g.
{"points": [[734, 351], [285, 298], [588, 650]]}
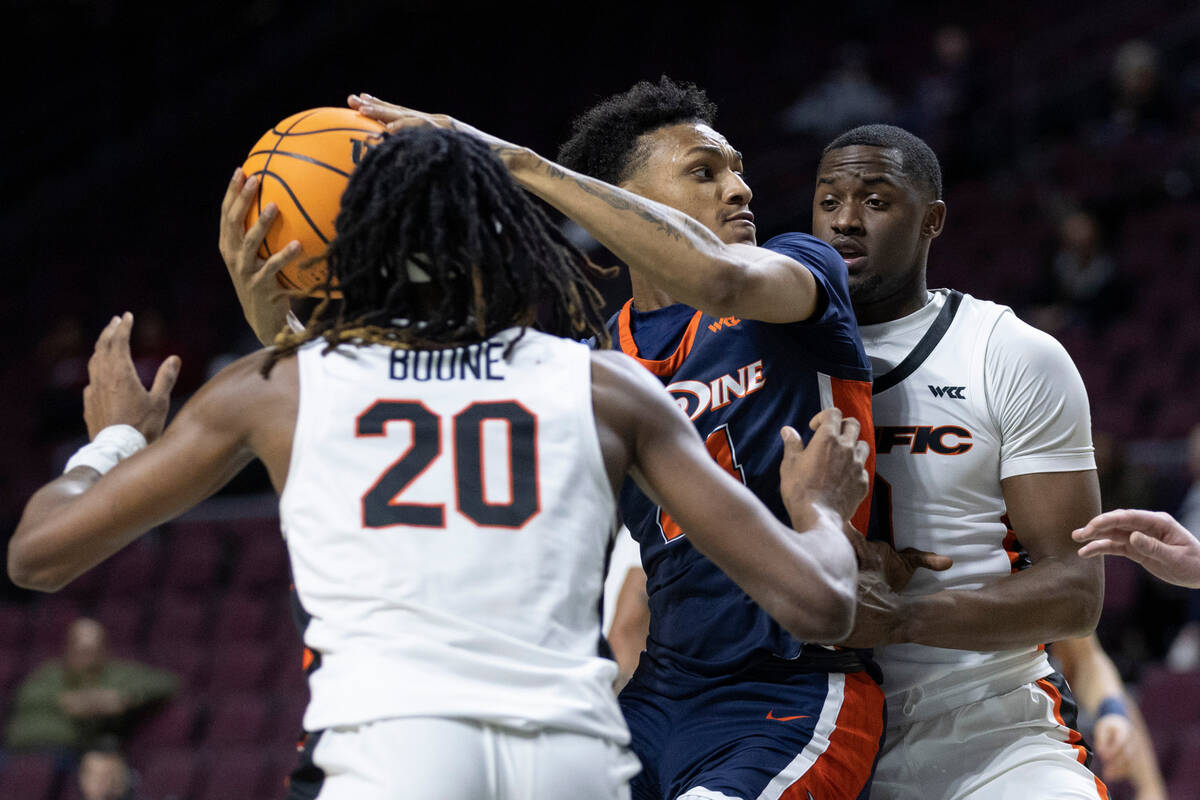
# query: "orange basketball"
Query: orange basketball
{"points": [[304, 164]]}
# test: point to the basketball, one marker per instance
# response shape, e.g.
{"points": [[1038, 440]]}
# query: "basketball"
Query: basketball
{"points": [[304, 163]]}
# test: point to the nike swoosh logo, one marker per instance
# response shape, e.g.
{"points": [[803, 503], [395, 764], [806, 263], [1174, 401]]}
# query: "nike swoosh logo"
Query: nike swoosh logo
{"points": [[771, 715]]}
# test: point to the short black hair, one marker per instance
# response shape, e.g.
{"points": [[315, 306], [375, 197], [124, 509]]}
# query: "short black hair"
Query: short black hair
{"points": [[603, 141], [919, 161], [439, 202]]}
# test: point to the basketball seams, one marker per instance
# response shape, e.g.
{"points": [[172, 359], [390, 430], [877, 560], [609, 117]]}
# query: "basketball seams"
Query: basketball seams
{"points": [[312, 172], [300, 156], [267, 164], [289, 132]]}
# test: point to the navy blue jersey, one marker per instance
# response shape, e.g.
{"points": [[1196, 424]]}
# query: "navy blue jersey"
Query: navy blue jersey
{"points": [[739, 381]]}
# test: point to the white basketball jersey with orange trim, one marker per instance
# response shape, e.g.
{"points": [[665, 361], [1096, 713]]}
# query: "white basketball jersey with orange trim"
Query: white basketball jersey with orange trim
{"points": [[965, 395], [448, 517]]}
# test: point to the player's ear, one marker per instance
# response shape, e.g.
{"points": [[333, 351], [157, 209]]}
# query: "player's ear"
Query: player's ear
{"points": [[934, 220]]}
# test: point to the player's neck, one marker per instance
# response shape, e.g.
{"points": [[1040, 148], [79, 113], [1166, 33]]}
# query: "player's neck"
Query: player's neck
{"points": [[647, 296], [909, 300]]}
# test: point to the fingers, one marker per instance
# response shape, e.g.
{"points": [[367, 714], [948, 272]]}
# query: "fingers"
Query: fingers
{"points": [[238, 197], [827, 416], [119, 343], [1144, 546], [232, 191], [1108, 547], [1123, 520], [924, 558], [791, 439], [164, 379], [278, 261]]}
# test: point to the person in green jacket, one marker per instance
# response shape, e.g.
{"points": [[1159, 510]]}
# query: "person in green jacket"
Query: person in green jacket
{"points": [[67, 703]]}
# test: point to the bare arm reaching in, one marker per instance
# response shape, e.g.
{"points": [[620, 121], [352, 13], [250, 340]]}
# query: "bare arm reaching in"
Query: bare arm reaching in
{"points": [[688, 260], [805, 580], [1153, 539]]}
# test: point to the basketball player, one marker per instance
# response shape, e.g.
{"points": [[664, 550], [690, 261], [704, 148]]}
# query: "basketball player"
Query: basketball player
{"points": [[447, 481], [1153, 539], [984, 455], [724, 703]]}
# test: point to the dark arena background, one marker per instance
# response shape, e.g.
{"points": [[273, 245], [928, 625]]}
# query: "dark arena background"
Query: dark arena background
{"points": [[1070, 140]]}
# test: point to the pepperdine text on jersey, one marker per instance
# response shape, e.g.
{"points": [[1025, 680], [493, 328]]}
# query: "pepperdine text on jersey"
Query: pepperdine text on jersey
{"points": [[718, 392]]}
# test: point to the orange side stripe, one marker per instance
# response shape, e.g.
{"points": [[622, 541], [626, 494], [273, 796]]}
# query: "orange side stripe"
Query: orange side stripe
{"points": [[663, 368], [1074, 737], [853, 398], [841, 772]]}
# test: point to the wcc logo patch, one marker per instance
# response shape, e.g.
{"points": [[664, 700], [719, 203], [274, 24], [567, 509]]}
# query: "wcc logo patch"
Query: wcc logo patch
{"points": [[953, 392]]}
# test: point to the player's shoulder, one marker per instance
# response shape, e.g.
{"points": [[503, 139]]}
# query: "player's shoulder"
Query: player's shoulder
{"points": [[254, 380], [1016, 347], [615, 367]]}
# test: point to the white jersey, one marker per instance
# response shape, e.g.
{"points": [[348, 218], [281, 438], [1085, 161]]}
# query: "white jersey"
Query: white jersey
{"points": [[965, 396], [448, 516]]}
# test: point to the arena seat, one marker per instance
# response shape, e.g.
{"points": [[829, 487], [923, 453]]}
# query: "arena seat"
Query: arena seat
{"points": [[29, 776], [170, 773]]}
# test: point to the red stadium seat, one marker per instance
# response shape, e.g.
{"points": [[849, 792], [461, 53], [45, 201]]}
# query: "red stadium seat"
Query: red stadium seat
{"points": [[1183, 780], [238, 718], [170, 773], [176, 725], [1170, 702], [237, 772], [28, 776]]}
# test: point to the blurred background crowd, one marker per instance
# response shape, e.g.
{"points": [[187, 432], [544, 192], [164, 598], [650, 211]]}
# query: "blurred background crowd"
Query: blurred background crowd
{"points": [[1069, 136]]}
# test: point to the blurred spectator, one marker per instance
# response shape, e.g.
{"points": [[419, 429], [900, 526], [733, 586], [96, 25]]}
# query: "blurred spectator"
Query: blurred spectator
{"points": [[105, 775], [847, 97], [68, 703], [1139, 102], [1081, 284], [944, 97]]}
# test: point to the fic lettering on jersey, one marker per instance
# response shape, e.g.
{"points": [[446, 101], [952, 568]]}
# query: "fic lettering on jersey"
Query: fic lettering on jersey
{"points": [[946, 440], [702, 396], [483, 361]]}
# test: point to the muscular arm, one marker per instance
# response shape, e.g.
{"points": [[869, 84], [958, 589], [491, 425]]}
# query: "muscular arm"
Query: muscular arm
{"points": [[805, 580], [1058, 597], [79, 519], [675, 252]]}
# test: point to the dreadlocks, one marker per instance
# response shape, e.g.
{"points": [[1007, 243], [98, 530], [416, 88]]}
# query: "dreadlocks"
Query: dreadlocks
{"points": [[437, 246]]}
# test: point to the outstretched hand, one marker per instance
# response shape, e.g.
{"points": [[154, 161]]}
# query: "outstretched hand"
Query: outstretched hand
{"points": [[398, 117], [263, 299], [1153, 539], [829, 471], [115, 394]]}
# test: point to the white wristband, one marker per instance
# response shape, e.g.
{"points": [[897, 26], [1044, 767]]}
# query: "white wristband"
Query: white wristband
{"points": [[111, 446]]}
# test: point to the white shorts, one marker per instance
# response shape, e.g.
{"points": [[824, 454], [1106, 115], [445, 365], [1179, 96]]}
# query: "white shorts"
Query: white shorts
{"points": [[425, 758], [1015, 746]]}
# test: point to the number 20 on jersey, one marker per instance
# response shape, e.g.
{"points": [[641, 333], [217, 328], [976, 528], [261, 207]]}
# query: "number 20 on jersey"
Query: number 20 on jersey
{"points": [[382, 504]]}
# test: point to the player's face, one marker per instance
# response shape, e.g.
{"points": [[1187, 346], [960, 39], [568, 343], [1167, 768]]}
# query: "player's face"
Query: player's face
{"points": [[691, 167], [879, 221]]}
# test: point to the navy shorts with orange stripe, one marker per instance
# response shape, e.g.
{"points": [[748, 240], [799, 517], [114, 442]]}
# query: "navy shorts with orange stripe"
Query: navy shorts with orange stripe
{"points": [[767, 735]]}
